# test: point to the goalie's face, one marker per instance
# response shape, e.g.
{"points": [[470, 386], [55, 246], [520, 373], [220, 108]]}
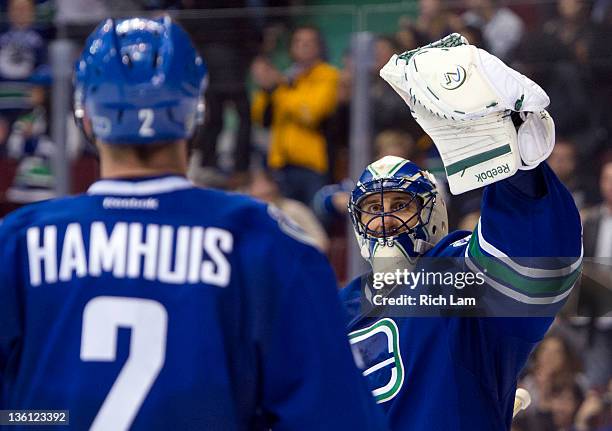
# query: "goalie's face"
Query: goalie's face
{"points": [[389, 214]]}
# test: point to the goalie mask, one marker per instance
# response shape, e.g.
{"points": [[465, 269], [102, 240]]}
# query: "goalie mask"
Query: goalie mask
{"points": [[397, 213]]}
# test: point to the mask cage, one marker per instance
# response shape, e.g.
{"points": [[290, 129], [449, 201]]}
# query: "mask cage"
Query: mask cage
{"points": [[419, 193]]}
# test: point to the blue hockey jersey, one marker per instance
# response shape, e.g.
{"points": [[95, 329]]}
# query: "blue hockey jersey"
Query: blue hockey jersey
{"points": [[459, 373], [154, 305]]}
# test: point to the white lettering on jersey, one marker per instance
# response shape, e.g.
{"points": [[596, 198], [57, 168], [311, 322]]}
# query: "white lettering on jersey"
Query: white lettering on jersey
{"points": [[166, 273], [130, 203], [108, 253], [195, 254], [45, 255], [169, 254], [139, 247], [218, 271], [73, 254]]}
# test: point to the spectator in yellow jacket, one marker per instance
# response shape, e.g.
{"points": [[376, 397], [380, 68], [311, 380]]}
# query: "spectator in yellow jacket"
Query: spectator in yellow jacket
{"points": [[295, 106]]}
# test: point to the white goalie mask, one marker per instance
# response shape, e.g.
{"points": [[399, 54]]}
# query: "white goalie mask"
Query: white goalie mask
{"points": [[397, 213]]}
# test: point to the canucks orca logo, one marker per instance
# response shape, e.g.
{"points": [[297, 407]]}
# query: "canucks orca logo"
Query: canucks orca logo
{"points": [[377, 352], [454, 79], [101, 125]]}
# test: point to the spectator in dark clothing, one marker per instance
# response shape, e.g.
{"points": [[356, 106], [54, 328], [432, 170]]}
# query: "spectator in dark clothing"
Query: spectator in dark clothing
{"points": [[567, 396], [600, 67], [554, 361], [563, 160], [23, 68], [435, 21], [595, 413], [597, 222], [571, 27], [388, 109], [228, 44], [502, 29], [543, 58]]}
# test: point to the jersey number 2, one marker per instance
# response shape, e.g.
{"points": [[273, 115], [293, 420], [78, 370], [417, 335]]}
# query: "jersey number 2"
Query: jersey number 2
{"points": [[148, 321], [146, 116]]}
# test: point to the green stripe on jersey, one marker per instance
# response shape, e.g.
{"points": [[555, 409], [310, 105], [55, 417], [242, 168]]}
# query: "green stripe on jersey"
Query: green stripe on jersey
{"points": [[509, 277]]}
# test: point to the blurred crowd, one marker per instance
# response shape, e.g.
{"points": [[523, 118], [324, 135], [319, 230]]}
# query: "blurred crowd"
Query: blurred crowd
{"points": [[276, 103], [564, 378], [277, 127]]}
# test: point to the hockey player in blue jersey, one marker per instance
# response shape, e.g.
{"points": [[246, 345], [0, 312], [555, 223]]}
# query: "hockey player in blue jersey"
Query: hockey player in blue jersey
{"points": [[150, 304], [451, 372]]}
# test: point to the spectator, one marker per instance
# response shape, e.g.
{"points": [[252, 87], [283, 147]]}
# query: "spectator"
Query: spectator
{"points": [[595, 413], [571, 27], [388, 109], [566, 398], [601, 10], [553, 358], [501, 28], [473, 35], [563, 160], [295, 105], [597, 222], [406, 35], [337, 127], [395, 143], [595, 332], [434, 22], [22, 62], [263, 186], [569, 77], [229, 45], [34, 180], [600, 71], [4, 134], [331, 202], [593, 335], [544, 58]]}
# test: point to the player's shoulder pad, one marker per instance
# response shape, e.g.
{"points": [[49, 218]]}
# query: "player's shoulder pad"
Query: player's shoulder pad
{"points": [[28, 215], [262, 220], [288, 226]]}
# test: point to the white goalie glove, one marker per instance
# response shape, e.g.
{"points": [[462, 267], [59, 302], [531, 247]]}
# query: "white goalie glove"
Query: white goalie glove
{"points": [[464, 99]]}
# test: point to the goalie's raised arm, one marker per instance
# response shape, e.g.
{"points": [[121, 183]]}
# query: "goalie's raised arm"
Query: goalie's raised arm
{"points": [[529, 242], [490, 127], [486, 119]]}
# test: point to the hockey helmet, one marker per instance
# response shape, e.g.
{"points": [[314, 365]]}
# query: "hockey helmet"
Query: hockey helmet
{"points": [[139, 81]]}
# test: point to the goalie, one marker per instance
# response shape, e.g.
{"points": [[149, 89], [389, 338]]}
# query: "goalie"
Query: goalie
{"points": [[490, 127]]}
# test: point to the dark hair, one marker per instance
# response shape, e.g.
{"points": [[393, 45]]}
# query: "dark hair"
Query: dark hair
{"points": [[323, 52], [572, 362], [567, 383]]}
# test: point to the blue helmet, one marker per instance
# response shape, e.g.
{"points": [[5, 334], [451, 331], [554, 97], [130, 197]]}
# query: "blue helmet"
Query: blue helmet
{"points": [[394, 240], [139, 81]]}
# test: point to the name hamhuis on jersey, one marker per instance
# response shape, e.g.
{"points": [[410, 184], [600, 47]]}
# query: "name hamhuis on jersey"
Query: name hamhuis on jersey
{"points": [[169, 254]]}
